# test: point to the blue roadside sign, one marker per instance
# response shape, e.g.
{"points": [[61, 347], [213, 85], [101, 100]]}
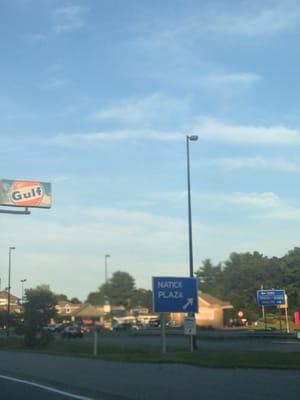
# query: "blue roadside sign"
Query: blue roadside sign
{"points": [[270, 297], [178, 294]]}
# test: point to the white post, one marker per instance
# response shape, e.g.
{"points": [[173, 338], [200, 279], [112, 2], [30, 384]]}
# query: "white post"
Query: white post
{"points": [[287, 320], [95, 341]]}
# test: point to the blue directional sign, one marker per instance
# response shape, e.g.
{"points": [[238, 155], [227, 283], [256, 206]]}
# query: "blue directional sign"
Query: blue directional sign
{"points": [[178, 295], [270, 297]]}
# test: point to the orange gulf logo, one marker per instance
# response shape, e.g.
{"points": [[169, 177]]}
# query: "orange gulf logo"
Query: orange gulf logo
{"points": [[26, 193]]}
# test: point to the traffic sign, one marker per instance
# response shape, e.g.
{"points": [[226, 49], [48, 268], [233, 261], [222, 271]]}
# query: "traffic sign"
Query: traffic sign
{"points": [[190, 326], [270, 297], [178, 294], [285, 305]]}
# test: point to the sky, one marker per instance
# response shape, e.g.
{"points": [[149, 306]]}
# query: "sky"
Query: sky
{"points": [[98, 96]]}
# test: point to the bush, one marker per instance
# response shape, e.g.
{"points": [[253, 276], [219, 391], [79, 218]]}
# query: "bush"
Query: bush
{"points": [[37, 338]]}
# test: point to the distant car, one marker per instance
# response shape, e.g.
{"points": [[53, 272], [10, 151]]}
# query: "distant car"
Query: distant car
{"points": [[154, 323], [137, 326], [123, 326], [72, 331]]}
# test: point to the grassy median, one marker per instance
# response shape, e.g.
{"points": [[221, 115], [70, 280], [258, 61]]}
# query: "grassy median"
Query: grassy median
{"points": [[148, 354]]}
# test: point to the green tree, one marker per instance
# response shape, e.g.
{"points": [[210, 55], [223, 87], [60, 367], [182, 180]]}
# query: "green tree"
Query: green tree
{"points": [[95, 298], [242, 276], [291, 270], [61, 297], [208, 277], [75, 300], [119, 289], [142, 298], [39, 308]]}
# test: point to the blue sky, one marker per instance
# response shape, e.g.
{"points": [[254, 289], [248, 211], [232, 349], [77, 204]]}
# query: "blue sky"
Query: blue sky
{"points": [[97, 97]]}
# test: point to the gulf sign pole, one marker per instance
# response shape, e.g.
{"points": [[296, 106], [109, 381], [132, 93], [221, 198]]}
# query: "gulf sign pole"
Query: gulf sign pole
{"points": [[18, 194]]}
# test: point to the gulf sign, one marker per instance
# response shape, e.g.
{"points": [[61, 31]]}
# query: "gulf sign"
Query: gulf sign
{"points": [[25, 193]]}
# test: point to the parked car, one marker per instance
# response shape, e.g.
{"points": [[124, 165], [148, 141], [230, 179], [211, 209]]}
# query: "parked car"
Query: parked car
{"points": [[154, 323], [72, 331], [122, 326]]}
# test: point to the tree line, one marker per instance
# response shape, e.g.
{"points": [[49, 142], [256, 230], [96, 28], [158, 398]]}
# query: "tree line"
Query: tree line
{"points": [[238, 278]]}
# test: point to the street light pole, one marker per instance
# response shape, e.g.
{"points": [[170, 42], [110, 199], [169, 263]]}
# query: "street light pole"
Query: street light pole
{"points": [[105, 263], [22, 293], [8, 293], [191, 265]]}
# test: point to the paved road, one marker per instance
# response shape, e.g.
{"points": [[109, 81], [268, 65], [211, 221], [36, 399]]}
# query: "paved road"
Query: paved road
{"points": [[16, 389], [114, 380]]}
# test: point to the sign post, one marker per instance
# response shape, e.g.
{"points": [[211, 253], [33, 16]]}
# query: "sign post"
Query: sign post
{"points": [[190, 326], [174, 294], [163, 332], [270, 298]]}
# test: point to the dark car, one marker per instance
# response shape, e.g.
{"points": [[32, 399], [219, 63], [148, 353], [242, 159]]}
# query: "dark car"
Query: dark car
{"points": [[154, 323], [123, 326], [72, 331]]}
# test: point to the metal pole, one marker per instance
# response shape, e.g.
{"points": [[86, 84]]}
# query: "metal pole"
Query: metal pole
{"points": [[280, 322], [163, 332], [189, 209], [263, 311], [193, 344], [22, 293], [95, 341], [8, 293], [105, 264], [287, 320]]}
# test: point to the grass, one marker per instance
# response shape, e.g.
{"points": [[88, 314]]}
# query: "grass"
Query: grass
{"points": [[146, 354]]}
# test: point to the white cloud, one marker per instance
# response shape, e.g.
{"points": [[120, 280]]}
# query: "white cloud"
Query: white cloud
{"points": [[208, 129], [63, 243], [284, 213], [218, 81], [38, 37], [278, 17], [248, 19], [214, 130], [54, 83], [242, 78], [69, 18], [266, 205], [249, 200], [91, 139], [141, 110], [256, 162]]}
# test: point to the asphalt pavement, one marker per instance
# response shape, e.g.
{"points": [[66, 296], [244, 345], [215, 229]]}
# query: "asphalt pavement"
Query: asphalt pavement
{"points": [[16, 389], [100, 379]]}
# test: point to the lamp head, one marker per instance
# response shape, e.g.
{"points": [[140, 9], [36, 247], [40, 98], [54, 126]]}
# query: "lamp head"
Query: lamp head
{"points": [[193, 137]]}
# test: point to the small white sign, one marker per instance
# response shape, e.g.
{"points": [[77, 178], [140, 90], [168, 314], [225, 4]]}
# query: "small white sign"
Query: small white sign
{"points": [[190, 326]]}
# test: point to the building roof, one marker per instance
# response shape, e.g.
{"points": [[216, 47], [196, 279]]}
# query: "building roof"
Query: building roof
{"points": [[4, 295], [214, 301], [89, 311]]}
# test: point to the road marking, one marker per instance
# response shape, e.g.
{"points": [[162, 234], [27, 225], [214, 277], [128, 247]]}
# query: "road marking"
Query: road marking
{"points": [[285, 342], [50, 389]]}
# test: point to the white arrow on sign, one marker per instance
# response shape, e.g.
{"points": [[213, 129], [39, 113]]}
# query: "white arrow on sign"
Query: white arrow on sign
{"points": [[189, 302]]}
